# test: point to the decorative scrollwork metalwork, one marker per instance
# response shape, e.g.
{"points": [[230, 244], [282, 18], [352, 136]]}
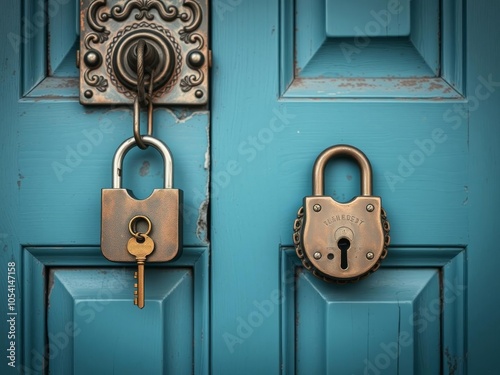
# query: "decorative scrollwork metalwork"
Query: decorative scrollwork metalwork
{"points": [[92, 17], [120, 13], [99, 82], [177, 30], [190, 81], [136, 26], [167, 13], [187, 33]]}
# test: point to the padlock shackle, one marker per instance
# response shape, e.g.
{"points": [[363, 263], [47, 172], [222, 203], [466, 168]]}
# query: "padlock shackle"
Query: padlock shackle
{"points": [[130, 143], [342, 150]]}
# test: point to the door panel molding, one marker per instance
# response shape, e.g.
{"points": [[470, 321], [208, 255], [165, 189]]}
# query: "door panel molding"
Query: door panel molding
{"points": [[49, 54], [426, 64], [412, 311], [54, 288]]}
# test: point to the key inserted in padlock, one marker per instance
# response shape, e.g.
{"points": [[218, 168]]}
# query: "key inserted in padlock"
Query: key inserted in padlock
{"points": [[140, 246], [163, 207], [121, 211]]}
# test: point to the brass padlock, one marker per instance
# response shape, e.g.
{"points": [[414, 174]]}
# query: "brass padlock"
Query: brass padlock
{"points": [[163, 208], [341, 242]]}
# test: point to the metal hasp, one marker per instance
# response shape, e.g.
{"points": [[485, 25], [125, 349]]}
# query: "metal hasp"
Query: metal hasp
{"points": [[176, 46]]}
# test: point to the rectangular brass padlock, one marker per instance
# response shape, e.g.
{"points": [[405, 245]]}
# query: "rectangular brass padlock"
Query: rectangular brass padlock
{"points": [[163, 209]]}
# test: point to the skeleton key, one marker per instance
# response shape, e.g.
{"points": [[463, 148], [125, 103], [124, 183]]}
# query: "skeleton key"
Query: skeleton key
{"points": [[140, 246]]}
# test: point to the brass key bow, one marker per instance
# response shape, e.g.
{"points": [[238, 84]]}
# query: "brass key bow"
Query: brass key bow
{"points": [[140, 246]]}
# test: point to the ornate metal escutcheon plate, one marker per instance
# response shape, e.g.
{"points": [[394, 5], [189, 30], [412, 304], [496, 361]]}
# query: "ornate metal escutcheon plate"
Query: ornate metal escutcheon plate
{"points": [[176, 29]]}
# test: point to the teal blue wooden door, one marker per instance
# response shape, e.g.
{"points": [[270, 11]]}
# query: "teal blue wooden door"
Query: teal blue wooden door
{"points": [[414, 88], [412, 84], [69, 310]]}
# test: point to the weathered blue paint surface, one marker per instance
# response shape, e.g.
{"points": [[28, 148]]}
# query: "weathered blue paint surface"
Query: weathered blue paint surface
{"points": [[483, 84], [75, 311], [344, 19], [389, 323], [280, 98], [426, 118], [151, 340]]}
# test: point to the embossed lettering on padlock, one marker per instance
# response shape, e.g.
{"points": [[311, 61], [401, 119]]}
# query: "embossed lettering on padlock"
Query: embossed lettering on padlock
{"points": [[163, 207], [341, 242]]}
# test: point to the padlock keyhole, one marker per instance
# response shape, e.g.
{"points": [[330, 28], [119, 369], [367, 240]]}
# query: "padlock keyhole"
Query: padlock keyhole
{"points": [[344, 244]]}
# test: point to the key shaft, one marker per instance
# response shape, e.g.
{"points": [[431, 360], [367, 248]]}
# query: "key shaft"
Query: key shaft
{"points": [[140, 250], [139, 299]]}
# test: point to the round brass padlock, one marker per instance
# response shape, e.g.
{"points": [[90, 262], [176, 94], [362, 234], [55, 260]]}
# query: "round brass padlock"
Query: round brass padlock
{"points": [[341, 242]]}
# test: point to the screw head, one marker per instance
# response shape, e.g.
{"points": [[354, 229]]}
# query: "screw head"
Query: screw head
{"points": [[196, 59], [317, 208], [92, 59], [370, 255], [370, 208], [317, 255]]}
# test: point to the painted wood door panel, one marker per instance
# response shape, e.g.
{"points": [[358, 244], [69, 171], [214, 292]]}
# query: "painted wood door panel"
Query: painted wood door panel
{"points": [[106, 336], [342, 19], [368, 63], [391, 321], [85, 298], [370, 326], [56, 156], [281, 97], [483, 82]]}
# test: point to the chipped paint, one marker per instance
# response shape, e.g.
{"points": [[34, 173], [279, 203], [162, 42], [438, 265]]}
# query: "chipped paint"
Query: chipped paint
{"points": [[356, 83], [452, 362], [181, 113], [206, 164], [202, 231], [435, 86], [183, 116], [50, 285], [19, 181], [202, 223], [432, 88]]}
